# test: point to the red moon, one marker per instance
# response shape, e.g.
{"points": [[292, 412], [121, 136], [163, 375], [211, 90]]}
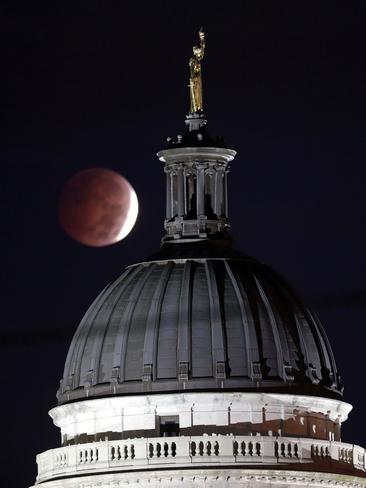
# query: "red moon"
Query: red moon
{"points": [[97, 207]]}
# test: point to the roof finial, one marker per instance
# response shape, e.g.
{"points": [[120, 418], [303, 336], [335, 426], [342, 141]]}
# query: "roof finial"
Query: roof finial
{"points": [[195, 79]]}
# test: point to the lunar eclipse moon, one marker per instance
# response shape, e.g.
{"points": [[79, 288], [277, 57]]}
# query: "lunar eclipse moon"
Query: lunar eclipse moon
{"points": [[97, 207]]}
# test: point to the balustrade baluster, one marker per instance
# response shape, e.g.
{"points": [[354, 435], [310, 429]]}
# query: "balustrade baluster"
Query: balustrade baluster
{"points": [[243, 448], [151, 450], [235, 448], [193, 448], [208, 448], [276, 450], [283, 453], [250, 448], [258, 448], [216, 448]]}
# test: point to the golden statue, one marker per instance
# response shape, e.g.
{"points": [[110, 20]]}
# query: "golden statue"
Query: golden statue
{"points": [[195, 79]]}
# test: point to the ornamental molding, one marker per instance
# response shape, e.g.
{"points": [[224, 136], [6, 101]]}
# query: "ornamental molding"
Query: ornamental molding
{"points": [[218, 477], [194, 154]]}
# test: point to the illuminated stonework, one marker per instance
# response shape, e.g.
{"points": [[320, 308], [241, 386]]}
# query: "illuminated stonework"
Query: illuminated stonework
{"points": [[250, 414], [121, 446], [215, 478]]}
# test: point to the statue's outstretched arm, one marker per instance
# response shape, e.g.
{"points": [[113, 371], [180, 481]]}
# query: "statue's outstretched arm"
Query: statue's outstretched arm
{"points": [[202, 43]]}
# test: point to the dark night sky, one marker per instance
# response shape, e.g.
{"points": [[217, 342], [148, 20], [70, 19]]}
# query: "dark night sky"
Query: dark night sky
{"points": [[103, 84]]}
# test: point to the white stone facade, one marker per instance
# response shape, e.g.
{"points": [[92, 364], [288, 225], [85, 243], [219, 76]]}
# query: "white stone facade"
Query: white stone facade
{"points": [[206, 460], [130, 413]]}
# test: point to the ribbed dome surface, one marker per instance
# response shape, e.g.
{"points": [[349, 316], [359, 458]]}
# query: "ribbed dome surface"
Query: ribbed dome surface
{"points": [[198, 324]]}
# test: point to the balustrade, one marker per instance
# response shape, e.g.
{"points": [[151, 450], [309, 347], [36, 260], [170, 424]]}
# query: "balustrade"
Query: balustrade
{"points": [[181, 451], [87, 456], [121, 451], [287, 450]]}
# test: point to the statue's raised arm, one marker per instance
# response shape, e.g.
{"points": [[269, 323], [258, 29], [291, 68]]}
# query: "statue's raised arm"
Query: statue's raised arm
{"points": [[195, 79]]}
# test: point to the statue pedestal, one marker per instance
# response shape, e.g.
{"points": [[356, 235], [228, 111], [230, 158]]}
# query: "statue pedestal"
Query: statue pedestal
{"points": [[195, 121]]}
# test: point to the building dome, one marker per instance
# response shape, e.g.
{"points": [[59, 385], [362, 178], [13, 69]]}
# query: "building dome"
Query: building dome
{"points": [[198, 317]]}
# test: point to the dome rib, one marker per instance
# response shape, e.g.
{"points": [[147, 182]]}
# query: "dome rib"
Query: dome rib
{"points": [[103, 316], [246, 324], [99, 342], [153, 322], [233, 326], [109, 366], [306, 320], [74, 357], [75, 354], [167, 338], [284, 324], [249, 325], [304, 346], [308, 346], [323, 353], [121, 337], [278, 340], [217, 329], [201, 329], [128, 354], [329, 361], [185, 322], [97, 332]]}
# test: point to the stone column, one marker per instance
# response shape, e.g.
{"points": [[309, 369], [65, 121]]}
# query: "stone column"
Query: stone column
{"points": [[226, 202], [219, 191], [200, 190], [169, 199], [181, 193]]}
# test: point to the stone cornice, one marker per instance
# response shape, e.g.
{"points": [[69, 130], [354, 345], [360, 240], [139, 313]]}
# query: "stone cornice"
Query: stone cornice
{"points": [[211, 477]]}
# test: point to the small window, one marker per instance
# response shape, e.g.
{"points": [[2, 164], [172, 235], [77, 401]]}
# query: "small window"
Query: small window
{"points": [[169, 426]]}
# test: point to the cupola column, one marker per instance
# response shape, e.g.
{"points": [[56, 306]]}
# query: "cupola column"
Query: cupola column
{"points": [[226, 196], [169, 199], [181, 193], [219, 182], [200, 190]]}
